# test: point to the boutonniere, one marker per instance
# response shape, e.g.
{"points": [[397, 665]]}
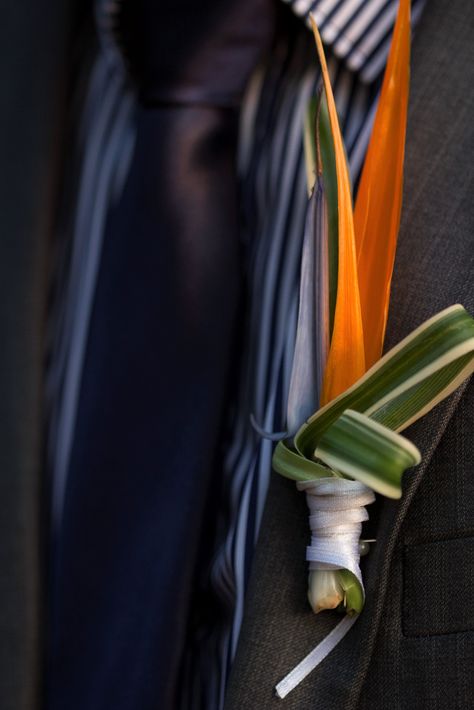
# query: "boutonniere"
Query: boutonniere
{"points": [[347, 404]]}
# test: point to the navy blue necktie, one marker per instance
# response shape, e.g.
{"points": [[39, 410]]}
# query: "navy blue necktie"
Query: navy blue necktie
{"points": [[155, 375]]}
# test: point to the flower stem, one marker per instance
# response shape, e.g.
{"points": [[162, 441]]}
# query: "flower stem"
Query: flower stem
{"points": [[353, 595]]}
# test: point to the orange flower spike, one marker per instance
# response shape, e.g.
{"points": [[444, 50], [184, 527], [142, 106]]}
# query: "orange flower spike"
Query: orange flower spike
{"points": [[379, 200], [346, 361]]}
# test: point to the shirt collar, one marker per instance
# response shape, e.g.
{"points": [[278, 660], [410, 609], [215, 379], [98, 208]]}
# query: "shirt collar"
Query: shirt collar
{"points": [[357, 31]]}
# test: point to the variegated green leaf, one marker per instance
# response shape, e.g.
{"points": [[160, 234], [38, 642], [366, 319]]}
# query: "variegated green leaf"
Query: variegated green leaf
{"points": [[368, 452], [290, 464], [325, 155], [354, 435], [320, 160], [309, 138], [408, 381]]}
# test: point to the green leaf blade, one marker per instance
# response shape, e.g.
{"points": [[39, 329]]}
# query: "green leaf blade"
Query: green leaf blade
{"points": [[412, 364], [291, 465], [368, 452]]}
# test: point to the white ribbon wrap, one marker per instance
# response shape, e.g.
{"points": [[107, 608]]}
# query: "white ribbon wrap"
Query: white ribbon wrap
{"points": [[337, 511]]}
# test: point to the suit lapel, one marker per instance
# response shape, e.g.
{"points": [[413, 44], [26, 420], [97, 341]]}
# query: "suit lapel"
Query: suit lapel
{"points": [[432, 271], [434, 257]]}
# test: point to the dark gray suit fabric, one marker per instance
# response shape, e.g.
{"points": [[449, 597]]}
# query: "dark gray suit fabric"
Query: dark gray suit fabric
{"points": [[33, 40], [413, 644]]}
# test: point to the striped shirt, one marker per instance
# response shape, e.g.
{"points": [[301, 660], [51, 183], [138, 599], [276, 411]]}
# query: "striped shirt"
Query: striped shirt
{"points": [[274, 201]]}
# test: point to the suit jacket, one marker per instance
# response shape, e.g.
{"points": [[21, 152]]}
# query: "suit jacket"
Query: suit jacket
{"points": [[36, 46], [413, 643]]}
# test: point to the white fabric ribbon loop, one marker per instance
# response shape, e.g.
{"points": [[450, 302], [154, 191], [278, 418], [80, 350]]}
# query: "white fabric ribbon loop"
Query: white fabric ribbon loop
{"points": [[337, 512]]}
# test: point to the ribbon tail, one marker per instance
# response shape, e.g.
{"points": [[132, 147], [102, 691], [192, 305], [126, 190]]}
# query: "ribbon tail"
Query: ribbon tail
{"points": [[314, 658]]}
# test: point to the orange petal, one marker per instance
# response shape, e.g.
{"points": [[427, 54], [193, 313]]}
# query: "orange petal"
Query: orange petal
{"points": [[379, 200], [346, 362]]}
